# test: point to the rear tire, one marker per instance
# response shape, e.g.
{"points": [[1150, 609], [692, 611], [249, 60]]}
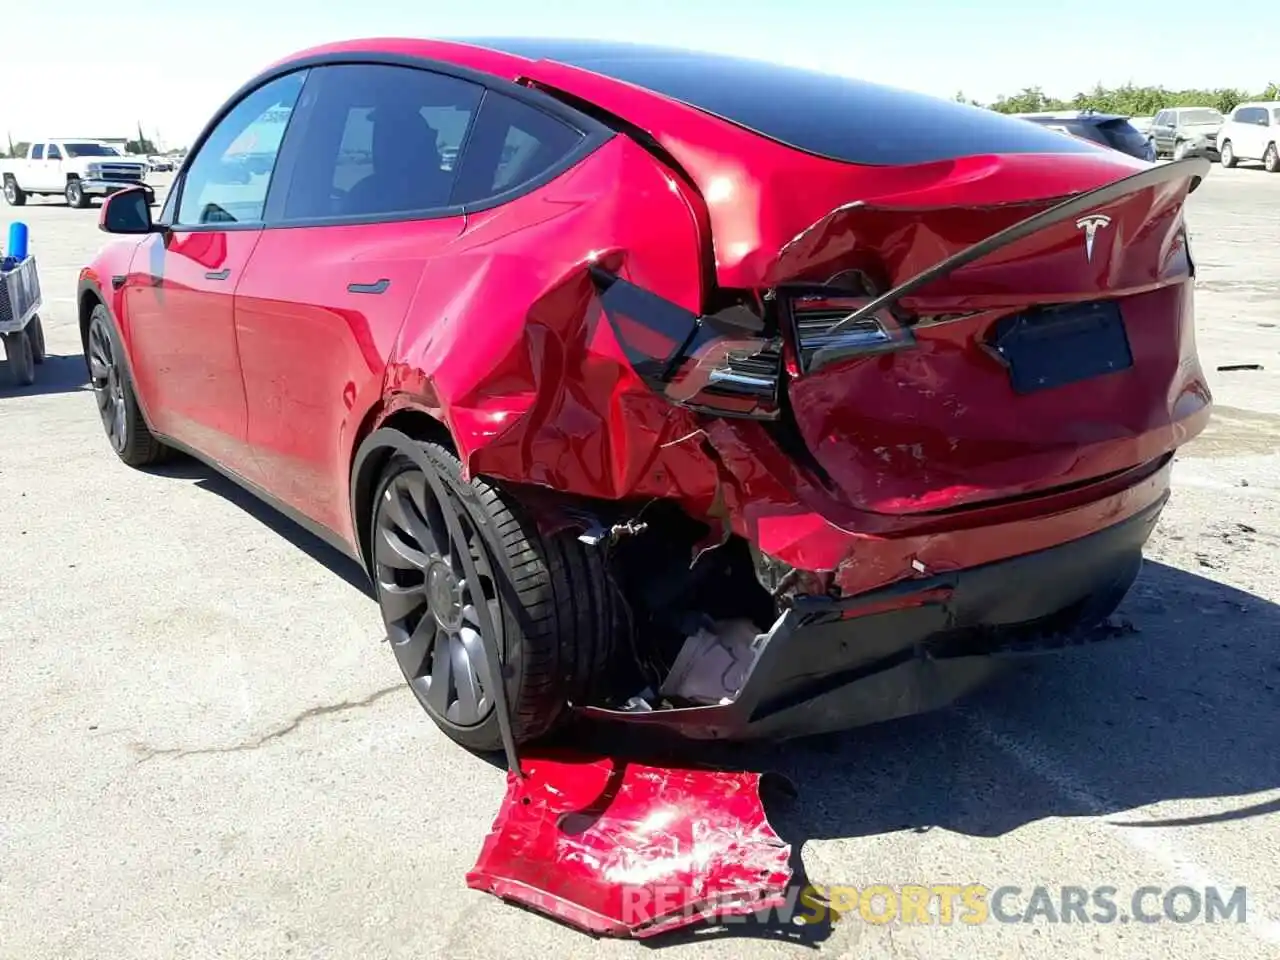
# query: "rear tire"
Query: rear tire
{"points": [[1228, 154], [122, 420], [1271, 159], [555, 609], [14, 195], [18, 358]]}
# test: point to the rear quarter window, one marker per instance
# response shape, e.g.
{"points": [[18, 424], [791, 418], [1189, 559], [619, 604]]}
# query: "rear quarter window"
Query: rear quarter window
{"points": [[512, 144]]}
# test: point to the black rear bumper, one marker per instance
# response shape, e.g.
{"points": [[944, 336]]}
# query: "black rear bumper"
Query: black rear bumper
{"points": [[918, 645]]}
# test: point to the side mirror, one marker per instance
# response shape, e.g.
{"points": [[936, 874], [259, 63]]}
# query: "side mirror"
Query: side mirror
{"points": [[126, 212]]}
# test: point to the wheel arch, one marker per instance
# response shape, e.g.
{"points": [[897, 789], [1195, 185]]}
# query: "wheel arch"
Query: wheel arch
{"points": [[384, 434], [88, 296], [380, 437]]}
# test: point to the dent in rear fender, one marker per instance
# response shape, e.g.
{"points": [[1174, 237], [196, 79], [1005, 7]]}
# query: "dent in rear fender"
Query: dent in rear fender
{"points": [[507, 337]]}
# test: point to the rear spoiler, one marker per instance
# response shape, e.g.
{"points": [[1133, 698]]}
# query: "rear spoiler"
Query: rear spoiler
{"points": [[1194, 169]]}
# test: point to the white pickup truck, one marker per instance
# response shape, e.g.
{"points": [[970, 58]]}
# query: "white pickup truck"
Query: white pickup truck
{"points": [[77, 169]]}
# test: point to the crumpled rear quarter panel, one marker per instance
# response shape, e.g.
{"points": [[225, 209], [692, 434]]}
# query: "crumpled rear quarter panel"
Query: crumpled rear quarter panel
{"points": [[517, 358]]}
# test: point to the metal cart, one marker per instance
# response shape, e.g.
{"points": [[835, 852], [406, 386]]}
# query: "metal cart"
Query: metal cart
{"points": [[19, 321]]}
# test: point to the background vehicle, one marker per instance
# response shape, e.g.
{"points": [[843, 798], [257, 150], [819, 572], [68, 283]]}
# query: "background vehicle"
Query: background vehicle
{"points": [[1141, 124], [160, 164], [614, 410], [76, 169], [1186, 131], [1111, 130], [1252, 132]]}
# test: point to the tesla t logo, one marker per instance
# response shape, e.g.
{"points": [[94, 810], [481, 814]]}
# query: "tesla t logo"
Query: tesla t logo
{"points": [[1091, 226]]}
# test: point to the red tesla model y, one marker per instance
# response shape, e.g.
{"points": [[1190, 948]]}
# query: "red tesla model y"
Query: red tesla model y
{"points": [[668, 387]]}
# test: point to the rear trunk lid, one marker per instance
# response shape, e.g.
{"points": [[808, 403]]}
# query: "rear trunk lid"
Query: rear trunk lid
{"points": [[974, 339], [993, 349]]}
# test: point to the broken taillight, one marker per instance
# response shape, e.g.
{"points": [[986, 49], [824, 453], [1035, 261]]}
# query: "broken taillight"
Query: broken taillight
{"points": [[727, 363], [730, 363], [826, 330]]}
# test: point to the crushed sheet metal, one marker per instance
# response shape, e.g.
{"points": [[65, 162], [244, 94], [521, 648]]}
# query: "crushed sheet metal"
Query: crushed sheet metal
{"points": [[603, 844]]}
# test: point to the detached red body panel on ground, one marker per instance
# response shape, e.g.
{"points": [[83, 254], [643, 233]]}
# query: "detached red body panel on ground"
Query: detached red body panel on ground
{"points": [[624, 849]]}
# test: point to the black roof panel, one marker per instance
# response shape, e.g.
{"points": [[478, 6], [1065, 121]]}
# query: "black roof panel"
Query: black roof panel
{"points": [[833, 116]]}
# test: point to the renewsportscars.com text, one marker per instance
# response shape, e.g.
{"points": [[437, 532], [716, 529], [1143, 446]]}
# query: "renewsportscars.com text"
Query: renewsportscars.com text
{"points": [[971, 904]]}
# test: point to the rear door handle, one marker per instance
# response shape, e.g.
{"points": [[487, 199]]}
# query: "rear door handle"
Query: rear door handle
{"points": [[218, 274], [378, 287]]}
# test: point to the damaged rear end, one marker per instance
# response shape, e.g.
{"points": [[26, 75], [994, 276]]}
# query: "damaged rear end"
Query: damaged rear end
{"points": [[944, 419]]}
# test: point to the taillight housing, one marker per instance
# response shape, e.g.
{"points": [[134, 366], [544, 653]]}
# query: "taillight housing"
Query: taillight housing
{"points": [[733, 362], [728, 363], [826, 333]]}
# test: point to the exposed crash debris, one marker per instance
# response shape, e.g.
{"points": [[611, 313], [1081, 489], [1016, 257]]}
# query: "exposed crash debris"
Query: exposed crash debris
{"points": [[629, 850], [714, 663]]}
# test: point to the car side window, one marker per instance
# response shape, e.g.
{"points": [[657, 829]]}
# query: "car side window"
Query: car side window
{"points": [[37, 152], [227, 180], [512, 144], [54, 152], [379, 141]]}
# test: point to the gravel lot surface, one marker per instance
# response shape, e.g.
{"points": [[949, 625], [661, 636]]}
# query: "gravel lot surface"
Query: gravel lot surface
{"points": [[206, 751]]}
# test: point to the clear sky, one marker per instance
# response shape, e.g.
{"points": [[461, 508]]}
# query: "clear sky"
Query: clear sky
{"points": [[80, 68]]}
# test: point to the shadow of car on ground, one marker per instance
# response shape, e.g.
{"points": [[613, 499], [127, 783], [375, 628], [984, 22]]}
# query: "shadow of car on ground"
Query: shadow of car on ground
{"points": [[1183, 709]]}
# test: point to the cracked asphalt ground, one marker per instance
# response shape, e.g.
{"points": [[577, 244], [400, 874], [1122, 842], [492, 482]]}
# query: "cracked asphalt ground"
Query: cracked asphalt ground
{"points": [[206, 752]]}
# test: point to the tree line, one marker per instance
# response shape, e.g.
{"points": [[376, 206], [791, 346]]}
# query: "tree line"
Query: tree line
{"points": [[1129, 100]]}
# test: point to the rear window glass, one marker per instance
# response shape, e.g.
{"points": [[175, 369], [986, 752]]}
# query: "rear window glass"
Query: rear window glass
{"points": [[837, 117], [1074, 128], [1201, 116], [1124, 136]]}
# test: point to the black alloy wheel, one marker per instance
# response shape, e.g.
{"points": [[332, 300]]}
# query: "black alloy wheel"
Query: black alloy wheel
{"points": [[108, 387], [431, 609], [122, 418]]}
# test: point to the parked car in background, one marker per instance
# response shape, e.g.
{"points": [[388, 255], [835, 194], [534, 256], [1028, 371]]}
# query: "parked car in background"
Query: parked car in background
{"points": [[611, 395], [1252, 132], [1141, 124], [73, 168], [1179, 132], [1109, 129]]}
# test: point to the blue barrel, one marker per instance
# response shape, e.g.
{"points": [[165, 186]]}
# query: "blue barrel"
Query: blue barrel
{"points": [[17, 241]]}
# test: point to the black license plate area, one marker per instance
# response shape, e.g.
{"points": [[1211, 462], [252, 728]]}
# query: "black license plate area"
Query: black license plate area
{"points": [[1062, 345]]}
